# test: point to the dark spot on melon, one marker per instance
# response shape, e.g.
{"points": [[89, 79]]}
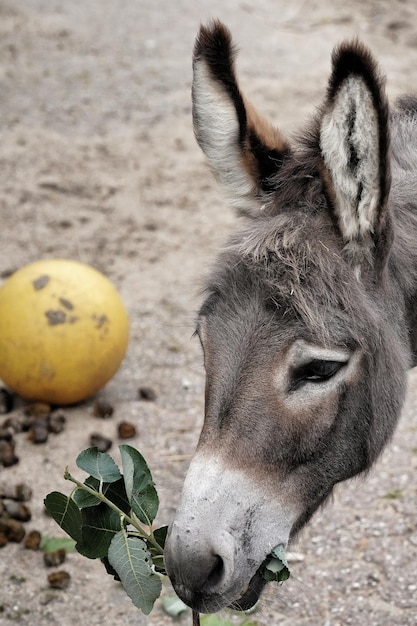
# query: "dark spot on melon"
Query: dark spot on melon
{"points": [[66, 304], [41, 282], [55, 317]]}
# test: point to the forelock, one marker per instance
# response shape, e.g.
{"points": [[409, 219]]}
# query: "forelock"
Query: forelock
{"points": [[296, 261]]}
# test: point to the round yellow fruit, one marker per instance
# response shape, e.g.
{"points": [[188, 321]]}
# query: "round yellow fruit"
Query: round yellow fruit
{"points": [[63, 331]]}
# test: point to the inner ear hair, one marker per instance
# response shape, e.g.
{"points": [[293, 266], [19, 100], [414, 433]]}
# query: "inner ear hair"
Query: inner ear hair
{"points": [[354, 143], [266, 148]]}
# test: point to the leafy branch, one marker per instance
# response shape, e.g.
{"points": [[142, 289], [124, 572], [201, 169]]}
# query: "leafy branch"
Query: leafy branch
{"points": [[110, 516], [106, 516]]}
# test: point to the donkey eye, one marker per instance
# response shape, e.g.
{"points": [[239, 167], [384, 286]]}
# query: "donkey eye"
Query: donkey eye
{"points": [[315, 371]]}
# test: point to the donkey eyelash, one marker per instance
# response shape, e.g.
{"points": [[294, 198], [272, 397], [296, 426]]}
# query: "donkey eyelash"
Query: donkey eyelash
{"points": [[315, 371]]}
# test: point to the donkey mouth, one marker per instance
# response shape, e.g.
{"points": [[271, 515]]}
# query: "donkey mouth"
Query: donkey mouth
{"points": [[251, 595], [213, 602]]}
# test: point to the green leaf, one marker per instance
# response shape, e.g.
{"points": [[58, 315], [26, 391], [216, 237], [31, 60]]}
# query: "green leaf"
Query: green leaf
{"points": [[214, 620], [52, 544], [173, 606], [99, 464], [109, 569], [131, 560], [140, 489], [160, 535], [99, 525], [65, 512], [115, 492], [84, 499], [279, 553], [276, 567]]}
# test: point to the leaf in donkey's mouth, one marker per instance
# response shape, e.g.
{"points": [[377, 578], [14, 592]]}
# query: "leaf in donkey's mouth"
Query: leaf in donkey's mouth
{"points": [[275, 568], [173, 606]]}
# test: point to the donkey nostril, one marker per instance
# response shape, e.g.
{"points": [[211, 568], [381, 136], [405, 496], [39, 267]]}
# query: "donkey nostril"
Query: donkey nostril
{"points": [[216, 573]]}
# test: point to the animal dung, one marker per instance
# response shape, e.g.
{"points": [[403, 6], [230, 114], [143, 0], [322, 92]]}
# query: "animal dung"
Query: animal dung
{"points": [[20, 492], [59, 579], [6, 401], [147, 393], [37, 409], [100, 442], [33, 540], [7, 452], [13, 513], [126, 430], [39, 431], [38, 420], [55, 558], [11, 530], [103, 409], [17, 510], [57, 422]]}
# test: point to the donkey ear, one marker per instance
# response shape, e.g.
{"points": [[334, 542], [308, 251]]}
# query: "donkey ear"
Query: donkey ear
{"points": [[354, 143], [242, 148]]}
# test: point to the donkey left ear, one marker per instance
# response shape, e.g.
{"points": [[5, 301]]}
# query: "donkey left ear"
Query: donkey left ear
{"points": [[354, 144], [243, 149]]}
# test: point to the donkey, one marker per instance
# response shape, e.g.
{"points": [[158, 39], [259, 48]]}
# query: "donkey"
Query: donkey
{"points": [[309, 323]]}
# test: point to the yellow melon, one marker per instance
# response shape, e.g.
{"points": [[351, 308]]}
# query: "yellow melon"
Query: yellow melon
{"points": [[63, 331]]}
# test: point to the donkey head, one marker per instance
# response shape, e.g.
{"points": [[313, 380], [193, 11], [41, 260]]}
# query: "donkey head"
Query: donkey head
{"points": [[301, 330]]}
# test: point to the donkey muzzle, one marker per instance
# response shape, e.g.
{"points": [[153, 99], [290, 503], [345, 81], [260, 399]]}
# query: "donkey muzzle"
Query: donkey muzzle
{"points": [[224, 528]]}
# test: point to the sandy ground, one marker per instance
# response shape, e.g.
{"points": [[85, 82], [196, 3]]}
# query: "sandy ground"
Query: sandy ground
{"points": [[98, 163]]}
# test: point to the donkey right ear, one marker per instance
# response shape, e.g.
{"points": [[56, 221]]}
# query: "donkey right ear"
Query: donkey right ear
{"points": [[243, 149], [354, 143]]}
